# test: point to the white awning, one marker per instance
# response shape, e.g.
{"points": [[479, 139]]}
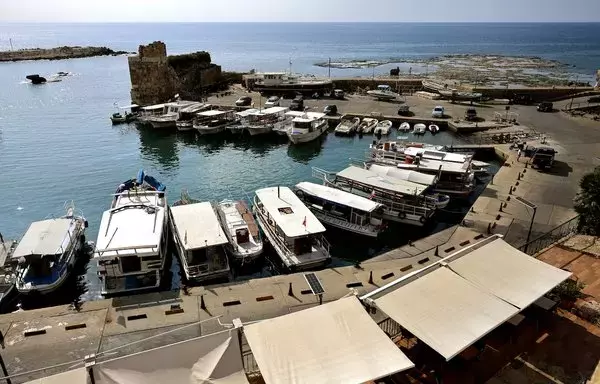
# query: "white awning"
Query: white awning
{"points": [[445, 311], [508, 273], [47, 237], [337, 342], [75, 376], [338, 196], [372, 179], [403, 174], [197, 226], [213, 359]]}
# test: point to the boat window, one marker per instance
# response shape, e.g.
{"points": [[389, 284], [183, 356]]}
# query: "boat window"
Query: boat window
{"points": [[302, 124], [131, 264], [285, 210]]}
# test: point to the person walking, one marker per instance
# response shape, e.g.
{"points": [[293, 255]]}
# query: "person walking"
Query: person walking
{"points": [[518, 154]]}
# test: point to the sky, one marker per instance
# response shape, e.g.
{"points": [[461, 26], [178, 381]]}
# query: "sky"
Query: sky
{"points": [[299, 10]]}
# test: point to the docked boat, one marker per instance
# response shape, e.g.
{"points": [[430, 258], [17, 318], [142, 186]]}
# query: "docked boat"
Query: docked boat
{"points": [[170, 116], [367, 125], [214, 121], [347, 126], [46, 254], [245, 244], [403, 201], [433, 128], [383, 92], [149, 111], [383, 128], [404, 127], [260, 122], [7, 272], [125, 114], [292, 229], [341, 209], [307, 127], [419, 129], [200, 242], [133, 236], [185, 122], [435, 153], [287, 83]]}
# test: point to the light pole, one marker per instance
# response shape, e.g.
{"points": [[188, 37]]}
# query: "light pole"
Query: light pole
{"points": [[528, 204]]}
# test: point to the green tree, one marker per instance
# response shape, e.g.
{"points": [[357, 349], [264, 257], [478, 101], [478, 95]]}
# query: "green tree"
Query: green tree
{"points": [[587, 203]]}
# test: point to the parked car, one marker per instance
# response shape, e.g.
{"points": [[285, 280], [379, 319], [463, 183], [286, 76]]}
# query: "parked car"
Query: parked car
{"points": [[330, 110], [338, 94], [470, 114], [244, 101], [543, 157], [403, 110], [297, 104], [545, 106], [438, 112], [272, 101]]}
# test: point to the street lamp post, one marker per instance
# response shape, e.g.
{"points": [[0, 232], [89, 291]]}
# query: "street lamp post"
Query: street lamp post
{"points": [[528, 204]]}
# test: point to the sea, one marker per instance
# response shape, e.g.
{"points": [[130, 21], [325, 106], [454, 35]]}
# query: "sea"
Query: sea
{"points": [[57, 143]]}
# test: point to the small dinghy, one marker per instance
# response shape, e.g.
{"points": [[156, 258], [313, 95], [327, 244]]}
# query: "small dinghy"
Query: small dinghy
{"points": [[434, 128], [404, 127], [383, 128], [245, 244], [419, 129]]}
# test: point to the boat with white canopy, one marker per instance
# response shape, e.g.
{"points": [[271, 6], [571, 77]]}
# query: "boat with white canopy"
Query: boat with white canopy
{"points": [[307, 127], [260, 122], [292, 229], [214, 121], [200, 241], [185, 122], [341, 209], [148, 111], [169, 118]]}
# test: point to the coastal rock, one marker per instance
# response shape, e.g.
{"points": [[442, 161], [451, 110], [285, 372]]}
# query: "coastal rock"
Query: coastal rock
{"points": [[58, 53]]}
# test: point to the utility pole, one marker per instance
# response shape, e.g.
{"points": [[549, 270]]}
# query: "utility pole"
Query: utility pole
{"points": [[2, 365], [329, 67]]}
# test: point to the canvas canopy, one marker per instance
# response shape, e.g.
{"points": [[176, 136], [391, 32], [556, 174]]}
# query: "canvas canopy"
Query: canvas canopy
{"points": [[445, 311], [508, 273], [337, 342], [338, 196], [213, 359], [47, 237], [75, 376]]}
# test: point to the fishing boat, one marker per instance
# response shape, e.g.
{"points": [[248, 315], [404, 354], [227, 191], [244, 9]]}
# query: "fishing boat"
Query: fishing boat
{"points": [[46, 254], [169, 118], [260, 122], [125, 114], [419, 129], [214, 121], [347, 126], [185, 122], [383, 128], [245, 244], [367, 125], [200, 241], [7, 272], [341, 209], [132, 240], [404, 127], [433, 128], [383, 92], [403, 201], [149, 111], [307, 127], [292, 229]]}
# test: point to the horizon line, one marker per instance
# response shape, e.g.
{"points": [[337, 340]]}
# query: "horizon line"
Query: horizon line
{"points": [[304, 22]]}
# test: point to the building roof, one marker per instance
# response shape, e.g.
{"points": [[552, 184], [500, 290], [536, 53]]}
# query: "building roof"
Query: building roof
{"points": [[288, 212], [197, 226], [46, 237], [375, 180], [137, 221], [445, 311], [339, 197], [404, 174], [508, 273], [337, 342]]}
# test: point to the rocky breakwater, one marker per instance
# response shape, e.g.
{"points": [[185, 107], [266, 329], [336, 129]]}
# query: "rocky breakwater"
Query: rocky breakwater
{"points": [[58, 53]]}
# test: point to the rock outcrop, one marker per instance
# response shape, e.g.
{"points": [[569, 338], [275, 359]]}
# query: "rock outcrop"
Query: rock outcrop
{"points": [[58, 53]]}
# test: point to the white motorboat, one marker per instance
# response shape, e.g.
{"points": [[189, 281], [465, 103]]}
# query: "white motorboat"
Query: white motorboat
{"points": [[245, 244], [367, 125], [341, 209], [214, 121], [307, 127], [185, 122], [169, 118], [419, 129], [260, 122], [383, 92], [404, 127], [133, 236], [383, 128], [347, 126], [200, 241], [292, 229], [434, 128], [46, 254]]}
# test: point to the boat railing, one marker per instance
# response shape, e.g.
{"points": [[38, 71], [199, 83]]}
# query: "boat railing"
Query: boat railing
{"points": [[409, 209], [282, 244], [322, 174], [136, 250], [321, 242]]}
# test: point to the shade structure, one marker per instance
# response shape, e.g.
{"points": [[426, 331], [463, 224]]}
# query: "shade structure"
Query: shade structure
{"points": [[508, 273], [213, 359], [75, 376], [445, 311], [337, 342]]}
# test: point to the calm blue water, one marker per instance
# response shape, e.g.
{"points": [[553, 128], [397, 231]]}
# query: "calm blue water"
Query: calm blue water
{"points": [[57, 143]]}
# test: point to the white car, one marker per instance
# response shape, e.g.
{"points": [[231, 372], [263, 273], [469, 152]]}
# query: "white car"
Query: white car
{"points": [[438, 112], [272, 101]]}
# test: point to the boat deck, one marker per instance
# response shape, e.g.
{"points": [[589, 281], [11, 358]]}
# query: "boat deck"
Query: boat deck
{"points": [[6, 248], [248, 217]]}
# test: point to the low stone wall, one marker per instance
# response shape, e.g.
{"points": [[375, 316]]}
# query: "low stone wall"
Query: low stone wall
{"points": [[537, 94]]}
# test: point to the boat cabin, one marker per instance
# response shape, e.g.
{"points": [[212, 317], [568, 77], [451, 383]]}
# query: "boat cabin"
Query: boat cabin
{"points": [[214, 117], [307, 122], [200, 241], [453, 178]]}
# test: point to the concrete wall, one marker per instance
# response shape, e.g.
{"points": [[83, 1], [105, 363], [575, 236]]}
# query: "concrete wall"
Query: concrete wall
{"points": [[538, 94]]}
